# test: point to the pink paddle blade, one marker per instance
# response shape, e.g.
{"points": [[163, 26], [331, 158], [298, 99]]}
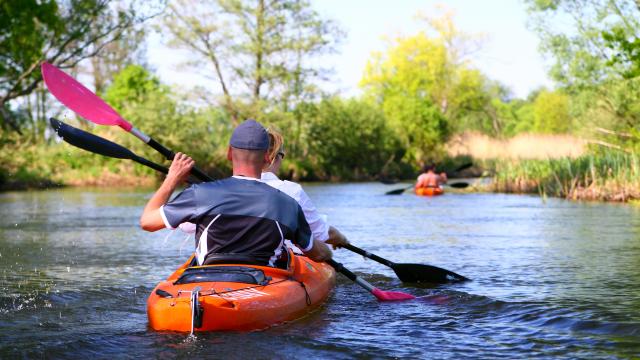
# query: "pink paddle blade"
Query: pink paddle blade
{"points": [[78, 98], [391, 295]]}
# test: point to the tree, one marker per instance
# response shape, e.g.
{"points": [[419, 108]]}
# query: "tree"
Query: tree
{"points": [[591, 42], [127, 50], [62, 33], [257, 50], [348, 139], [426, 86], [572, 32], [551, 113]]}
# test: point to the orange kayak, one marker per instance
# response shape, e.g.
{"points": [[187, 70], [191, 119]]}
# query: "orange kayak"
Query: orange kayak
{"points": [[429, 191], [238, 296]]}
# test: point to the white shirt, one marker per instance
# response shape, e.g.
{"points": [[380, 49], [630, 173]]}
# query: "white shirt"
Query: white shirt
{"points": [[317, 222]]}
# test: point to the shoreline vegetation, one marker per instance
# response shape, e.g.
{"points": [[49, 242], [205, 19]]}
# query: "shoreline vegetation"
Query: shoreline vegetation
{"points": [[563, 171], [423, 99], [605, 176]]}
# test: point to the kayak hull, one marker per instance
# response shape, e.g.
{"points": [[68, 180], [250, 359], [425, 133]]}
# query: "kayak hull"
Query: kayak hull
{"points": [[429, 191], [285, 295]]}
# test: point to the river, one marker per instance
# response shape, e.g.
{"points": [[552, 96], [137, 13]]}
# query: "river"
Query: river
{"points": [[551, 279]]}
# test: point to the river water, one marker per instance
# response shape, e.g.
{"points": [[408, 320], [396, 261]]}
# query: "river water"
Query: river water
{"points": [[551, 279]]}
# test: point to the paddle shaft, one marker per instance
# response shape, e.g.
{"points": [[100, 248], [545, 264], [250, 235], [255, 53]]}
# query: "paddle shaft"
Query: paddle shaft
{"points": [[398, 191], [353, 277], [154, 166], [168, 154], [369, 255]]}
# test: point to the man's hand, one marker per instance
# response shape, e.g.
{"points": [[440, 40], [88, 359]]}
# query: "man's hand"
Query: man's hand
{"points": [[320, 252], [336, 239], [180, 168], [151, 219]]}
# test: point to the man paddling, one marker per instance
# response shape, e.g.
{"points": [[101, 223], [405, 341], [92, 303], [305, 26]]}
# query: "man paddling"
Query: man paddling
{"points": [[429, 178], [239, 218]]}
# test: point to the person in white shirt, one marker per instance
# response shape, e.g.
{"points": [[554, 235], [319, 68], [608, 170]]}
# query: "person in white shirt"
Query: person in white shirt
{"points": [[320, 230]]}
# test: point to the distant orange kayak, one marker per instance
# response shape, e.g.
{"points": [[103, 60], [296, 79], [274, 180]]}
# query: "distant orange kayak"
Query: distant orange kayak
{"points": [[429, 191], [238, 296]]}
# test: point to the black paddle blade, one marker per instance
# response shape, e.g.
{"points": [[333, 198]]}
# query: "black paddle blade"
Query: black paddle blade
{"points": [[459, 185], [395, 192], [90, 142], [419, 273]]}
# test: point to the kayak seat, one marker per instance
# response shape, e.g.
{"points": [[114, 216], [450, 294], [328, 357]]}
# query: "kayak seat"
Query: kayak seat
{"points": [[213, 259], [239, 274]]}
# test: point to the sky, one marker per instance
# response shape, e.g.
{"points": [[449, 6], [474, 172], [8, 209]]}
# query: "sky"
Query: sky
{"points": [[509, 52]]}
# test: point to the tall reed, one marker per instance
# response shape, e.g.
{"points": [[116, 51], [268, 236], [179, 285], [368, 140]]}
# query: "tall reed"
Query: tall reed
{"points": [[603, 175]]}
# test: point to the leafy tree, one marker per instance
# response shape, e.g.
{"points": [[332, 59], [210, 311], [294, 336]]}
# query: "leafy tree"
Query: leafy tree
{"points": [[256, 50], [580, 36], [348, 139], [551, 113], [626, 51], [426, 87], [62, 33]]}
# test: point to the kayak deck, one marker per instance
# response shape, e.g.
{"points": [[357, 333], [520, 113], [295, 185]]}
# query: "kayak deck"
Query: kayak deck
{"points": [[238, 296]]}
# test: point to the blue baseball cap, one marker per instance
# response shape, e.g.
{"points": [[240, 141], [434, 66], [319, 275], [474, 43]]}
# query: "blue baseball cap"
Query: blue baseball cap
{"points": [[250, 135]]}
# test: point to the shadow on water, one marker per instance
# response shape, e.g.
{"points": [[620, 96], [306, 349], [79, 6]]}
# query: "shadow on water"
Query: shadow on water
{"points": [[550, 280]]}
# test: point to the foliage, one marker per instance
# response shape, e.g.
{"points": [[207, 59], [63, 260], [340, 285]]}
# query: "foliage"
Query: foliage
{"points": [[202, 133], [551, 113], [62, 33], [626, 51], [426, 88], [600, 175], [349, 139], [593, 51], [258, 50]]}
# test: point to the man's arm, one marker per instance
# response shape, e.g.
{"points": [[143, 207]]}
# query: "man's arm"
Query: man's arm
{"points": [[320, 252], [336, 238], [151, 219], [443, 178]]}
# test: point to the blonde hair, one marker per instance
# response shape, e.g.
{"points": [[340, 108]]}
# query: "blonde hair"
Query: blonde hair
{"points": [[276, 144]]}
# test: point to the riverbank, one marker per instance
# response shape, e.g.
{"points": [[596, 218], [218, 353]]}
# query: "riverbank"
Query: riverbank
{"points": [[25, 166], [605, 176]]}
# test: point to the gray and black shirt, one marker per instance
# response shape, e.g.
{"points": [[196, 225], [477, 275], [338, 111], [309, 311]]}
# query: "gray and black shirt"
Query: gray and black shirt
{"points": [[239, 215]]}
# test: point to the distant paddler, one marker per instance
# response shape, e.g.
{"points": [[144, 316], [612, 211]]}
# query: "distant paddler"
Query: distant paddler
{"points": [[430, 183]]}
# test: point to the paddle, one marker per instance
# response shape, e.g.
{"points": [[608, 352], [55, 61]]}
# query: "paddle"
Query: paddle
{"points": [[98, 145], [88, 105], [458, 185], [413, 273], [398, 191], [379, 294]]}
